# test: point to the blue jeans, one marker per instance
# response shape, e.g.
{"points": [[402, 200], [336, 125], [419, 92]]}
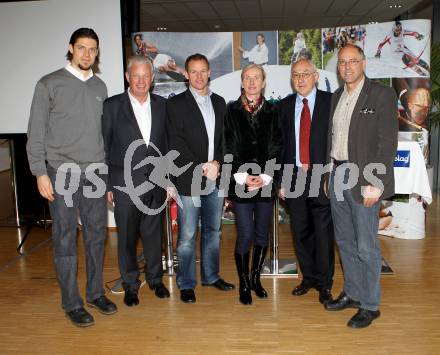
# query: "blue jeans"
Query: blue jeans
{"points": [[209, 208], [93, 213], [356, 228], [253, 220]]}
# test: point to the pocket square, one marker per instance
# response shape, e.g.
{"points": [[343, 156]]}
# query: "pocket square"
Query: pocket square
{"points": [[368, 111]]}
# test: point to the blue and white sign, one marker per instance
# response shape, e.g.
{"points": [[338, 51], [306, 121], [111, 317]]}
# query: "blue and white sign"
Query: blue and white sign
{"points": [[402, 159]]}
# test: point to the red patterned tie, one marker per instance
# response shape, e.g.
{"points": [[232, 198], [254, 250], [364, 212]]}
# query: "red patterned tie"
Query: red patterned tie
{"points": [[304, 135]]}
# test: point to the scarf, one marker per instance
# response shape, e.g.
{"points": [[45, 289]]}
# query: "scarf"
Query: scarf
{"points": [[252, 106]]}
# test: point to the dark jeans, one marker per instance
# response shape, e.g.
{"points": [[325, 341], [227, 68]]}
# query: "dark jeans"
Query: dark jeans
{"points": [[253, 221], [93, 213], [209, 208]]}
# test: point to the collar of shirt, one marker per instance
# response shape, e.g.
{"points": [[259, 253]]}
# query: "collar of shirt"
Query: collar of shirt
{"points": [[356, 90], [200, 99], [75, 72], [311, 98], [135, 101]]}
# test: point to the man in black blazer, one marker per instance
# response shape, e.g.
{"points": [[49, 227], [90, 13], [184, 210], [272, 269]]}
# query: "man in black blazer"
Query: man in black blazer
{"points": [[362, 143], [195, 130], [133, 125], [305, 146]]}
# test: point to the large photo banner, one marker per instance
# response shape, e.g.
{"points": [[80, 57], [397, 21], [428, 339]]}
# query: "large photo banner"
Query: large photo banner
{"points": [[397, 54]]}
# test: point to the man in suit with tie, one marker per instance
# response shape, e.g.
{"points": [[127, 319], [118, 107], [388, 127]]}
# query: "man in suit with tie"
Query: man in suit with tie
{"points": [[195, 130], [362, 140], [137, 116], [304, 117]]}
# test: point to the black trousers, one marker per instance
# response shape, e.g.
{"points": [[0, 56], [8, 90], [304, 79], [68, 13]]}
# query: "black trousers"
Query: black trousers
{"points": [[132, 223], [313, 237]]}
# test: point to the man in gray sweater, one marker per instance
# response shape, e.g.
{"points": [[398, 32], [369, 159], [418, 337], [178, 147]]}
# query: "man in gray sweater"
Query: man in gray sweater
{"points": [[66, 154]]}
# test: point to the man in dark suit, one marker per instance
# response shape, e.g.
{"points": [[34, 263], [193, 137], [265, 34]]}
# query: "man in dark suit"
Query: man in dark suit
{"points": [[362, 139], [195, 130], [133, 126], [304, 117]]}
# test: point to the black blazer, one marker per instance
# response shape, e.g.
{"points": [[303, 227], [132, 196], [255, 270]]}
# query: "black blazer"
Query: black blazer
{"points": [[372, 136], [318, 130], [187, 135], [252, 140], [120, 129]]}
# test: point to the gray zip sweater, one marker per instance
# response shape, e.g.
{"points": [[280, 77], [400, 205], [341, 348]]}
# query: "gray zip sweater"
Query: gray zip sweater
{"points": [[65, 122]]}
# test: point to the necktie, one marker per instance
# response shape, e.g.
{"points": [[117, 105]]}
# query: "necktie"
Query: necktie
{"points": [[304, 135]]}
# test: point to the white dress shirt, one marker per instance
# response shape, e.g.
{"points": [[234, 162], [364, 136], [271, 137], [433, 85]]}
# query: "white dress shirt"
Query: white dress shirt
{"points": [[142, 113], [207, 110]]}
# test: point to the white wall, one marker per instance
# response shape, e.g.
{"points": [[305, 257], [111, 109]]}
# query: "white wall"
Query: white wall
{"points": [[34, 36]]}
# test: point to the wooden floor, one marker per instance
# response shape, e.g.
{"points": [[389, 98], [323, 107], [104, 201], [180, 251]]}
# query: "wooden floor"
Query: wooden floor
{"points": [[32, 321]]}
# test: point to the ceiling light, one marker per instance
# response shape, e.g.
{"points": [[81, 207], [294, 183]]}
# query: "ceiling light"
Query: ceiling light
{"points": [[395, 6], [161, 28]]}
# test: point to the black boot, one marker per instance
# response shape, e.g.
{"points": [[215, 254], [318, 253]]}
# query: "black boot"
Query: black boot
{"points": [[242, 263], [257, 264]]}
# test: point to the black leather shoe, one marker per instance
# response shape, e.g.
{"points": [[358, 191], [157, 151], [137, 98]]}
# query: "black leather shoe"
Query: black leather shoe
{"points": [[301, 289], [325, 295], [80, 317], [160, 290], [103, 305], [222, 285], [131, 297], [363, 318], [342, 302], [188, 296]]}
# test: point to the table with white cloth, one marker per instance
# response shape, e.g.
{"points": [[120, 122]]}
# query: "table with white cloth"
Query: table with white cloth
{"points": [[404, 216]]}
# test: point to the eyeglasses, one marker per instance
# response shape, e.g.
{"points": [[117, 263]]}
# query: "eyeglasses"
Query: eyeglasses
{"points": [[306, 75], [350, 62]]}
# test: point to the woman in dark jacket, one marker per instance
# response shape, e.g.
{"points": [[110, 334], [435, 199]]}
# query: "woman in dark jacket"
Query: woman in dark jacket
{"points": [[253, 137]]}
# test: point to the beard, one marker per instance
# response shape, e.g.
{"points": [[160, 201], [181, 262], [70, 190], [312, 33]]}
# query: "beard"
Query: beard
{"points": [[82, 67]]}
